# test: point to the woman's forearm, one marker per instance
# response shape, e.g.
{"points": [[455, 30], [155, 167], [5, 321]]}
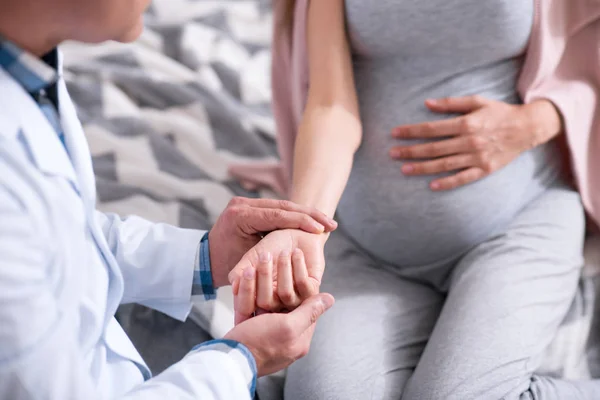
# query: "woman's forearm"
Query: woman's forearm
{"points": [[330, 132], [325, 147]]}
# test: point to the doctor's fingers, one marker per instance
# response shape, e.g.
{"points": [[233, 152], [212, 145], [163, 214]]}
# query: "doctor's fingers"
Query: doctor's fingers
{"points": [[302, 320], [260, 220], [284, 205]]}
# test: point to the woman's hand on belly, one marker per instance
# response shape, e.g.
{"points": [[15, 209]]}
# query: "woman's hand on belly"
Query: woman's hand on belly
{"points": [[489, 136], [287, 266]]}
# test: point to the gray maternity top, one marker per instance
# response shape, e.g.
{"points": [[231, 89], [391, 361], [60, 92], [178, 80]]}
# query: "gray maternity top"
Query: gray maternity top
{"points": [[406, 51]]}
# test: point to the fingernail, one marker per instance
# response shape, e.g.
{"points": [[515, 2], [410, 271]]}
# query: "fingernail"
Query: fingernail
{"points": [[435, 185], [333, 222], [297, 252], [319, 227], [265, 257], [431, 101], [249, 273], [395, 153], [284, 254], [408, 169], [327, 300]]}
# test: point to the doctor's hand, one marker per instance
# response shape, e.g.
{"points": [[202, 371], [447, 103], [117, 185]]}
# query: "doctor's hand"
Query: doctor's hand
{"points": [[244, 221], [288, 266], [277, 340], [488, 136]]}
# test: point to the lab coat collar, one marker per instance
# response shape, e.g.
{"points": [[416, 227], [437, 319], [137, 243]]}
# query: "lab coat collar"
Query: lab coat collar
{"points": [[46, 149]]}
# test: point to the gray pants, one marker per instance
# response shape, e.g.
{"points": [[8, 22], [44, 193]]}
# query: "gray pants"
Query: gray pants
{"points": [[475, 328]]}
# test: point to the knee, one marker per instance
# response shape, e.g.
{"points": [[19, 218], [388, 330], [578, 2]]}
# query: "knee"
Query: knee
{"points": [[420, 394], [440, 387], [435, 392], [474, 388], [340, 382], [315, 384], [307, 381]]}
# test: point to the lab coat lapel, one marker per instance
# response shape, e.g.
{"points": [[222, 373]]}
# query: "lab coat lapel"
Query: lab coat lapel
{"points": [[77, 146], [45, 148], [82, 161]]}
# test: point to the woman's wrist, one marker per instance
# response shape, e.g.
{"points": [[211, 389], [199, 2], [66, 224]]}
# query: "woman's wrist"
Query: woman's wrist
{"points": [[544, 121], [324, 237], [321, 201]]}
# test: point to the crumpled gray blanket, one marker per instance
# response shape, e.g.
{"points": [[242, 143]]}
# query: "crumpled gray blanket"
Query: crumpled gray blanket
{"points": [[167, 115]]}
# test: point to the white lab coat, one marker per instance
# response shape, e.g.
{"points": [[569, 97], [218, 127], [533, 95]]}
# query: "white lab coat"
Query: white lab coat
{"points": [[65, 268]]}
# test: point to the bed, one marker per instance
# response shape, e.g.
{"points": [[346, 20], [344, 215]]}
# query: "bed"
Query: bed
{"points": [[166, 116]]}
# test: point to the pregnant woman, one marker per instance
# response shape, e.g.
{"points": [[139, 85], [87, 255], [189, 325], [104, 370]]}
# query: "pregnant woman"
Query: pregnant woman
{"points": [[451, 286]]}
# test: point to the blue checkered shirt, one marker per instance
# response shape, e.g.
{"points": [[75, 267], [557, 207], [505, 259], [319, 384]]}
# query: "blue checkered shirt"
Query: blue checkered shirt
{"points": [[39, 78], [203, 283]]}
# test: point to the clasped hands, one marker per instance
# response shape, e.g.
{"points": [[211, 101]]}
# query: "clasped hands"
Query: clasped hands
{"points": [[274, 339], [278, 274]]}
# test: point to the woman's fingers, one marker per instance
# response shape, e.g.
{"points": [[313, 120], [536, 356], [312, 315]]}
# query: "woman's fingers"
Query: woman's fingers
{"points": [[460, 179], [304, 283], [260, 311], [235, 275], [440, 165], [265, 298], [285, 282], [461, 144], [267, 289], [445, 128], [235, 286], [244, 303], [462, 105], [475, 144], [465, 124]]}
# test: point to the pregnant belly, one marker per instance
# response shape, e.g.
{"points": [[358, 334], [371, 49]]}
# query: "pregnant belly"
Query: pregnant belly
{"points": [[401, 221]]}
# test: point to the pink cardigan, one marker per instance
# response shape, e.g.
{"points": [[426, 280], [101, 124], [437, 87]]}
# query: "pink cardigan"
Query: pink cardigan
{"points": [[562, 65]]}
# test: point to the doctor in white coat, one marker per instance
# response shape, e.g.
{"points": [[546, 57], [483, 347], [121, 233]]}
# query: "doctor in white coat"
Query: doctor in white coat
{"points": [[65, 267]]}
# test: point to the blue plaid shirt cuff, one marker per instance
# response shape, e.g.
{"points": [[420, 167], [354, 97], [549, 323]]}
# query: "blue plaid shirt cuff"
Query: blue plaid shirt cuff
{"points": [[203, 283], [240, 354]]}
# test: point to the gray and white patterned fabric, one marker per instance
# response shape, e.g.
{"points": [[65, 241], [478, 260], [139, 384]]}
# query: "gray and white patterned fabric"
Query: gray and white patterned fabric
{"points": [[167, 115]]}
